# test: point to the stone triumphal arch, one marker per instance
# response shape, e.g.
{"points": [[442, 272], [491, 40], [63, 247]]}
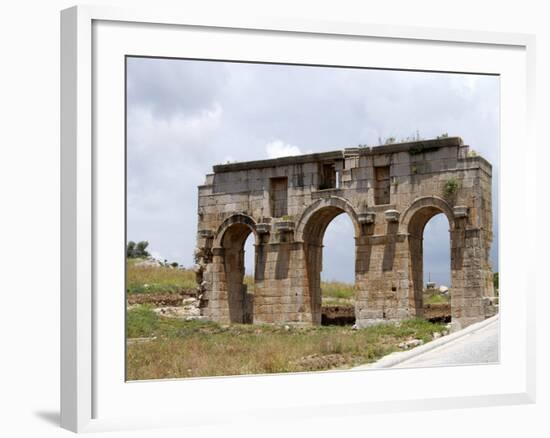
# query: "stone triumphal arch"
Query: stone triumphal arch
{"points": [[389, 193]]}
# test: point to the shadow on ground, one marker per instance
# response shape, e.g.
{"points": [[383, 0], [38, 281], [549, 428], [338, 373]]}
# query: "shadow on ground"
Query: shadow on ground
{"points": [[51, 417]]}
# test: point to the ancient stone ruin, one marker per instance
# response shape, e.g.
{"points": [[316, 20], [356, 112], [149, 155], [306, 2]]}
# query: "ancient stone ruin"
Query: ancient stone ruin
{"points": [[389, 192]]}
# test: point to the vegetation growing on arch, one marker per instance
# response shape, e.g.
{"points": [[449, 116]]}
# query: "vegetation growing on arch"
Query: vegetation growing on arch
{"points": [[451, 187]]}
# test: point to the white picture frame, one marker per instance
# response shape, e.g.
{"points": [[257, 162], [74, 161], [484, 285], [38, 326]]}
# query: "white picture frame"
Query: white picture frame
{"points": [[91, 392]]}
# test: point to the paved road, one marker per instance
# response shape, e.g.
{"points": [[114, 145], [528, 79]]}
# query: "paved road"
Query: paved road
{"points": [[478, 347]]}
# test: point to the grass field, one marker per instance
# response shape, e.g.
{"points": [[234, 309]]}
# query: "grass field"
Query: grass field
{"points": [[172, 347], [165, 279], [435, 298], [197, 348], [157, 279], [337, 293]]}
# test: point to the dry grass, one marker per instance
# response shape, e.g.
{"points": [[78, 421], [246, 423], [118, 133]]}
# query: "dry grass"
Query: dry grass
{"points": [[157, 279], [337, 290], [435, 298], [336, 293], [196, 349], [165, 279], [249, 281]]}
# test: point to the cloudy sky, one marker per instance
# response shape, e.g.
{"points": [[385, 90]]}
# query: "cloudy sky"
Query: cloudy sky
{"points": [[184, 116]]}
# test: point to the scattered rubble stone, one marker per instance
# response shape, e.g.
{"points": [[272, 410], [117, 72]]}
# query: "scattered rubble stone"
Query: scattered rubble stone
{"points": [[410, 344]]}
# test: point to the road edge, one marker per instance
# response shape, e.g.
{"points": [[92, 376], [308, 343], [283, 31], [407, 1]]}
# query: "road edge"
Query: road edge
{"points": [[401, 356]]}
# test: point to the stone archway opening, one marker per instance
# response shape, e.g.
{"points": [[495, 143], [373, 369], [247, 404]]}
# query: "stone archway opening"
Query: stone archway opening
{"points": [[313, 237], [430, 225], [437, 269], [338, 273], [240, 294], [250, 263]]}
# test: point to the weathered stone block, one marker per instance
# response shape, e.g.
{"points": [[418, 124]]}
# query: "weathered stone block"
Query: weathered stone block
{"points": [[366, 218], [391, 215], [460, 211]]}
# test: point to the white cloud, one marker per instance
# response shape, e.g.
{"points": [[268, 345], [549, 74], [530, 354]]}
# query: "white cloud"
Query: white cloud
{"points": [[465, 85], [279, 148]]}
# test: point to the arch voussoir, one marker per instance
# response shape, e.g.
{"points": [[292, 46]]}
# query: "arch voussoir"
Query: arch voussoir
{"points": [[238, 218], [342, 204], [423, 203]]}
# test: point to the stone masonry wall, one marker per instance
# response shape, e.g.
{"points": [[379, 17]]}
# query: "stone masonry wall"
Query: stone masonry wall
{"points": [[288, 203]]}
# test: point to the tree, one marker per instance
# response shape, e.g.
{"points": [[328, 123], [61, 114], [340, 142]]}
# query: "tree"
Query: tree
{"points": [[138, 250], [141, 249], [130, 249]]}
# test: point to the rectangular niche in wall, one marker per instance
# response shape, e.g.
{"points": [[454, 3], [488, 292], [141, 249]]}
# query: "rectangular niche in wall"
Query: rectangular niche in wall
{"points": [[382, 185], [327, 176], [279, 196]]}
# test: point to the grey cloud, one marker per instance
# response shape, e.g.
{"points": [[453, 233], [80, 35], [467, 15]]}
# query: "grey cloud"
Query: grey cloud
{"points": [[185, 116], [168, 86]]}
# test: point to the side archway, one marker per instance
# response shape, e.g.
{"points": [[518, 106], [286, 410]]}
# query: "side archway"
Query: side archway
{"points": [[412, 224], [231, 291]]}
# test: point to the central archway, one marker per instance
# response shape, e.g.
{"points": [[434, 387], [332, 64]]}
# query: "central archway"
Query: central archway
{"points": [[311, 231]]}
